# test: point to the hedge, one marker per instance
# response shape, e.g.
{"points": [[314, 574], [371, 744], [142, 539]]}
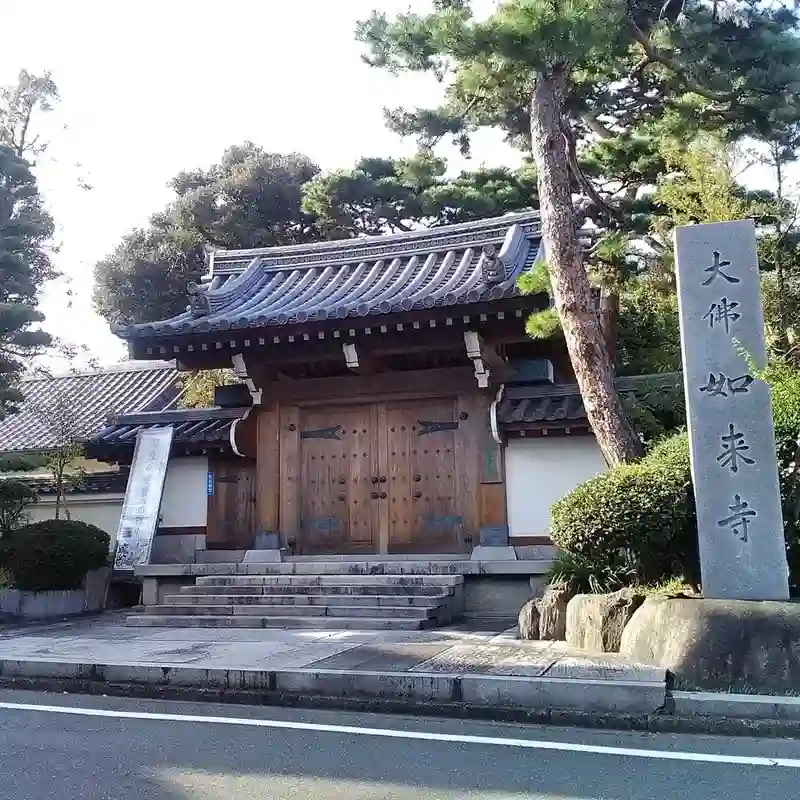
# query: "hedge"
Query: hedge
{"points": [[53, 554], [645, 511]]}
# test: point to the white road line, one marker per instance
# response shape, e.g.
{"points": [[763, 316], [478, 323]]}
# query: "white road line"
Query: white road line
{"points": [[494, 741]]}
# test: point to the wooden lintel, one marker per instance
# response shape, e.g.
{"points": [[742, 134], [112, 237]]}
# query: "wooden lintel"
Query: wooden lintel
{"points": [[352, 388]]}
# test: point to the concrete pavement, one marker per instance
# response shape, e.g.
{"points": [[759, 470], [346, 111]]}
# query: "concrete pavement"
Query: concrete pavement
{"points": [[444, 668], [91, 748]]}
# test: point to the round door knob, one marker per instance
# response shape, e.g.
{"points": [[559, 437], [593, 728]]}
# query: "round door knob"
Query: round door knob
{"points": [[382, 479], [374, 479], [343, 497], [417, 495], [417, 478], [383, 495], [374, 495]]}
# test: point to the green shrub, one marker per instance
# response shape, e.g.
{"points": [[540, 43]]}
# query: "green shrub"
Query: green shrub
{"points": [[784, 382], [15, 498], [647, 509], [54, 554], [639, 513], [582, 574]]}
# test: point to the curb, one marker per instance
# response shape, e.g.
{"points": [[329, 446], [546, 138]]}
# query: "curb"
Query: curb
{"points": [[621, 705]]}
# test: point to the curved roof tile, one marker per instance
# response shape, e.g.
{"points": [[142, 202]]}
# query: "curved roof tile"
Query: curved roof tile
{"points": [[447, 266]]}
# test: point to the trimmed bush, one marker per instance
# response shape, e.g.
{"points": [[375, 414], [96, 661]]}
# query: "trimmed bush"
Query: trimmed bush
{"points": [[643, 513], [640, 514], [15, 497], [54, 554]]}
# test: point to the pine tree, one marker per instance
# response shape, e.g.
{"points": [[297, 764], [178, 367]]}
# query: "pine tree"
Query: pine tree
{"points": [[556, 74], [24, 228]]}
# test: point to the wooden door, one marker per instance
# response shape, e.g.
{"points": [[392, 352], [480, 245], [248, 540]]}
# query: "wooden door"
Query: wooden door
{"points": [[232, 505], [338, 461], [424, 504]]}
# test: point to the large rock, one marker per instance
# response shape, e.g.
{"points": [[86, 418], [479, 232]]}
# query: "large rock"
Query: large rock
{"points": [[596, 621], [552, 608], [733, 645], [529, 620]]}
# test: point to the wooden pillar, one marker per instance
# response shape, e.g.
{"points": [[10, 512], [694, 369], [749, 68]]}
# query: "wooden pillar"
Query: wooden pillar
{"points": [[289, 473], [267, 469], [491, 476]]}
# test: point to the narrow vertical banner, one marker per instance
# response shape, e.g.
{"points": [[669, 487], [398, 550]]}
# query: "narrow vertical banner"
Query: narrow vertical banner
{"points": [[729, 411], [140, 510]]}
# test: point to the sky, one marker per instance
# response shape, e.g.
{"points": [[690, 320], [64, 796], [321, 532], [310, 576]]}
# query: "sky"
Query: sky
{"points": [[151, 88]]}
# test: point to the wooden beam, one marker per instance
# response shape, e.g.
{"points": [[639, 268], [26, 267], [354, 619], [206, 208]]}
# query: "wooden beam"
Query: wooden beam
{"points": [[241, 370], [363, 388], [487, 363]]}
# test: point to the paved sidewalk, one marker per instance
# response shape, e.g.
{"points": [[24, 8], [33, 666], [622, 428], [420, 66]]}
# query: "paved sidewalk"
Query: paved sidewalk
{"points": [[106, 640]]}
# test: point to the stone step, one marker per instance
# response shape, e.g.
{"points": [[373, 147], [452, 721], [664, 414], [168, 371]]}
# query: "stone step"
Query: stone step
{"points": [[219, 556], [330, 580], [360, 590], [397, 557], [364, 601], [244, 621], [383, 612], [426, 567]]}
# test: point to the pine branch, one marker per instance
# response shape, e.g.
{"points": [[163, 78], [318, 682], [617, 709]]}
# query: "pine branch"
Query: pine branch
{"points": [[652, 55], [578, 174]]}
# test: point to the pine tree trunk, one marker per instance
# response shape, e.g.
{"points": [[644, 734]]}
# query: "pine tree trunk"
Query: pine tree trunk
{"points": [[609, 322], [570, 282]]}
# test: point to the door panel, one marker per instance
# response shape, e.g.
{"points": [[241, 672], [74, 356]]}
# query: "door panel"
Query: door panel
{"points": [[232, 505], [337, 464], [422, 478]]}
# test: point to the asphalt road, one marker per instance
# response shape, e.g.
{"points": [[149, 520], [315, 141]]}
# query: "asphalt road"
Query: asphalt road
{"points": [[65, 747]]}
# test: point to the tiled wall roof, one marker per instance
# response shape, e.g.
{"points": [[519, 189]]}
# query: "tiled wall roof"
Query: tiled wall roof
{"points": [[195, 429], [86, 400]]}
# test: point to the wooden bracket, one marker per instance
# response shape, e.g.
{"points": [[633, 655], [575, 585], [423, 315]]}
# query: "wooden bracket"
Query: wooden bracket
{"points": [[361, 362], [240, 370], [350, 355], [485, 359]]}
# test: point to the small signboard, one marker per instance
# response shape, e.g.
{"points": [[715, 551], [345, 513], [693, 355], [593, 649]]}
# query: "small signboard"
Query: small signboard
{"points": [[210, 483], [140, 510]]}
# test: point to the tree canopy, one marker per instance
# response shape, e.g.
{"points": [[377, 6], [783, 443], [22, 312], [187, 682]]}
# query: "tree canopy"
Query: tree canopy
{"points": [[253, 198], [25, 227], [590, 90]]}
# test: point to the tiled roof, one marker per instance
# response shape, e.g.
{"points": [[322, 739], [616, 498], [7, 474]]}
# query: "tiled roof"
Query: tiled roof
{"points": [[561, 406], [91, 483], [89, 398], [453, 265], [195, 429]]}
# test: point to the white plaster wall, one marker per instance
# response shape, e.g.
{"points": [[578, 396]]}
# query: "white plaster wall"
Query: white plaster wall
{"points": [[102, 510], [540, 471], [184, 503]]}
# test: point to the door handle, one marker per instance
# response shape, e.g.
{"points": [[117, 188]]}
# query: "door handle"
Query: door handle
{"points": [[417, 478], [417, 495], [375, 479], [383, 495], [382, 479], [374, 495], [343, 497]]}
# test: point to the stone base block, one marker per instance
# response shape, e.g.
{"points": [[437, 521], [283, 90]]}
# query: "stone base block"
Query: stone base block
{"points": [[489, 553], [263, 557], [733, 645], [596, 621]]}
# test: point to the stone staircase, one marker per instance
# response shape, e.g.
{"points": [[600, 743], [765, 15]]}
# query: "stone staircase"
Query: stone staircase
{"points": [[315, 594]]}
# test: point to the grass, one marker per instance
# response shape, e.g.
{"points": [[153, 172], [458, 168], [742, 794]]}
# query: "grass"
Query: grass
{"points": [[669, 587]]}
